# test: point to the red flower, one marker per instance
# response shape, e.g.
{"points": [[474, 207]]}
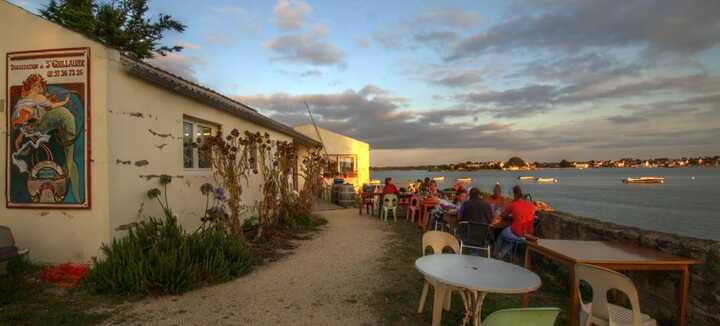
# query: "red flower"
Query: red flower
{"points": [[65, 275]]}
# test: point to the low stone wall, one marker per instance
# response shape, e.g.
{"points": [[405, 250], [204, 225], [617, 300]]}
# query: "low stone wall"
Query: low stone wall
{"points": [[657, 289]]}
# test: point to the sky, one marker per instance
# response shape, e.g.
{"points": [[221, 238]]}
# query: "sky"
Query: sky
{"points": [[446, 81]]}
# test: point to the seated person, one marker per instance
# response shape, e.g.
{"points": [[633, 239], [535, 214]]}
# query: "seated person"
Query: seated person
{"points": [[390, 187], [475, 209], [523, 213], [496, 200], [457, 186], [460, 197], [432, 191]]}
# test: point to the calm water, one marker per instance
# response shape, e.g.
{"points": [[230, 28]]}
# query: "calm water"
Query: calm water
{"points": [[681, 205]]}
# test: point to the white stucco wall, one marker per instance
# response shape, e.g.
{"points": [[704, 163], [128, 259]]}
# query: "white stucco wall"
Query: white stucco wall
{"points": [[136, 108], [124, 109], [340, 144], [58, 235]]}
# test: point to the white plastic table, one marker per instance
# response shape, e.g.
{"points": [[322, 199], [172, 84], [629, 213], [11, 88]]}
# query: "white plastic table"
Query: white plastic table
{"points": [[476, 276]]}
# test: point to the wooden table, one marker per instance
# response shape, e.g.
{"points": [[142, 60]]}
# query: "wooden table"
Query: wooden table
{"points": [[475, 276], [615, 256]]}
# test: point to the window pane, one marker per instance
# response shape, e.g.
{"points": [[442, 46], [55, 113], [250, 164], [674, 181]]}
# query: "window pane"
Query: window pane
{"points": [[346, 164], [332, 168], [187, 145], [203, 157]]}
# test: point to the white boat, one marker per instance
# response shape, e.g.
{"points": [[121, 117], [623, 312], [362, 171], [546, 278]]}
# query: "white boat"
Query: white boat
{"points": [[654, 180], [438, 178], [463, 180], [374, 182], [526, 177], [546, 180]]}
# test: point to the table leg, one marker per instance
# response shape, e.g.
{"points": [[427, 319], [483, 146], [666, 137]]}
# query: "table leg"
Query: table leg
{"points": [[479, 297], [574, 298], [528, 266], [438, 304], [683, 289]]}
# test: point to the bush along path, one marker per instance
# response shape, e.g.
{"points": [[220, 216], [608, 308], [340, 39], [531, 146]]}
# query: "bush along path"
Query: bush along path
{"points": [[328, 280]]}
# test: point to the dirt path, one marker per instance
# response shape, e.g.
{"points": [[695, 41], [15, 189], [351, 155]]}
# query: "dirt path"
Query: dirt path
{"points": [[327, 281]]}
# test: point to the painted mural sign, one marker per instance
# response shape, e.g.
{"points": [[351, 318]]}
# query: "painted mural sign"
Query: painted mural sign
{"points": [[48, 108]]}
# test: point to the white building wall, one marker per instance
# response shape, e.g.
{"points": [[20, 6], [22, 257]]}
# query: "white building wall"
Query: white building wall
{"points": [[125, 112], [51, 234], [145, 124]]}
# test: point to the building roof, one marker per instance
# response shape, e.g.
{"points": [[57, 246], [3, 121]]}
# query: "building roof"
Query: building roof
{"points": [[208, 96], [313, 134]]}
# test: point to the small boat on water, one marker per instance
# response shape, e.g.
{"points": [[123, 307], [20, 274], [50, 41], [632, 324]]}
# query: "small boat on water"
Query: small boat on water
{"points": [[526, 177], [374, 182], [546, 180], [463, 180], [646, 180], [440, 178]]}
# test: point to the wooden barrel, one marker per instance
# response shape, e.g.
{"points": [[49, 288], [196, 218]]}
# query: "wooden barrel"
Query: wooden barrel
{"points": [[334, 193], [346, 196]]}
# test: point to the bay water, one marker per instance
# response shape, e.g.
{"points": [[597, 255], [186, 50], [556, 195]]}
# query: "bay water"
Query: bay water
{"points": [[688, 203]]}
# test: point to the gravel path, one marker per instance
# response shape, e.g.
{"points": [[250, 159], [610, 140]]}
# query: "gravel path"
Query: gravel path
{"points": [[327, 281]]}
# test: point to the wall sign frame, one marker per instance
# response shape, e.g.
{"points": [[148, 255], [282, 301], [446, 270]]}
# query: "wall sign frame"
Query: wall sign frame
{"points": [[48, 129]]}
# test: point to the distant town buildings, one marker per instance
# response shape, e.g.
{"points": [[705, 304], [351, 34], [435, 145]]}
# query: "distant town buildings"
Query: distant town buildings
{"points": [[708, 161]]}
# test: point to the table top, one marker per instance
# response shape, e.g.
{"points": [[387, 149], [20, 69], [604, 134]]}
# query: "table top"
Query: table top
{"points": [[607, 252], [478, 273]]}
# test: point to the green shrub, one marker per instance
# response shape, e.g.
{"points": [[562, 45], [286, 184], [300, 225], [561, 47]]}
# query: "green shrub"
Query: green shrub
{"points": [[159, 257]]}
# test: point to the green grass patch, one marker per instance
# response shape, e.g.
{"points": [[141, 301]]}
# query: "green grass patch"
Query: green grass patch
{"points": [[397, 302]]}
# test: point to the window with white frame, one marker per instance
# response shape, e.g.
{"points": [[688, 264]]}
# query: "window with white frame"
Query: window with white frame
{"points": [[196, 132]]}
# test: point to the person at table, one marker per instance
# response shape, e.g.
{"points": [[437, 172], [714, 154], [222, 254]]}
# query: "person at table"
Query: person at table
{"points": [[390, 187], [496, 200], [522, 212], [475, 209], [433, 191], [457, 186], [460, 197], [425, 185]]}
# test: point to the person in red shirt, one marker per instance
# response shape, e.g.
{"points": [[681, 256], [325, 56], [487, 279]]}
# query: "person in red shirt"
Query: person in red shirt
{"points": [[523, 214], [390, 187]]}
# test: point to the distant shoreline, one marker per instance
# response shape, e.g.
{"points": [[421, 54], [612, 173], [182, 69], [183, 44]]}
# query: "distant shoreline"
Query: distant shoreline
{"points": [[415, 168]]}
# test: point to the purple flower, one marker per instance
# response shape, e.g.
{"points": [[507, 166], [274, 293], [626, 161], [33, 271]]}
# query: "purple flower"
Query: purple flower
{"points": [[219, 194]]}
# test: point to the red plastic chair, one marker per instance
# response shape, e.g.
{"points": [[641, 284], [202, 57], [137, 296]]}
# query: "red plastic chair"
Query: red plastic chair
{"points": [[412, 208]]}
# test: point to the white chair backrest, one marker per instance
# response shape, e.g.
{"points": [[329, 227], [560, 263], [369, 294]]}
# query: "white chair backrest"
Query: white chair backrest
{"points": [[602, 280], [390, 200], [438, 241]]}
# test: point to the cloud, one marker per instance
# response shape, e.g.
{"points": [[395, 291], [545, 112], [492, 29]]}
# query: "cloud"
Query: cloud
{"points": [[449, 17], [373, 114], [458, 78], [539, 98], [290, 14], [307, 49], [684, 27], [179, 64], [621, 119], [438, 39]]}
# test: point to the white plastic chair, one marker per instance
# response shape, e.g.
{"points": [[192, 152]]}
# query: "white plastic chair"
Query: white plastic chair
{"points": [[600, 311], [438, 241], [389, 204]]}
